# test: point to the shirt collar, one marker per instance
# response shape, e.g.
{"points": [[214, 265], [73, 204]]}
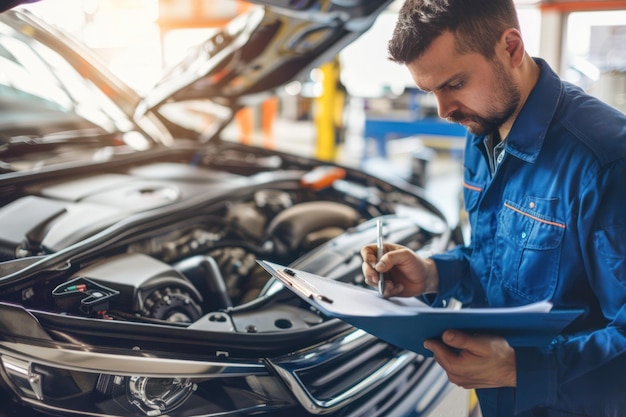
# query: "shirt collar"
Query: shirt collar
{"points": [[531, 125]]}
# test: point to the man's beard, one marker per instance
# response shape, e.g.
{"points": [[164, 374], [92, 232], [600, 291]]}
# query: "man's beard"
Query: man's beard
{"points": [[507, 100]]}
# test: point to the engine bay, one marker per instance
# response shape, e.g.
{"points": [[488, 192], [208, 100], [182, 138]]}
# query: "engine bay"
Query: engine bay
{"points": [[176, 244]]}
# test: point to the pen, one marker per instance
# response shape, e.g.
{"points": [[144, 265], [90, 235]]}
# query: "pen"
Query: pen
{"points": [[379, 245]]}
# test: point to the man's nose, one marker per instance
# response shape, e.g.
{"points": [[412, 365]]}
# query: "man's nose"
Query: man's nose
{"points": [[445, 106]]}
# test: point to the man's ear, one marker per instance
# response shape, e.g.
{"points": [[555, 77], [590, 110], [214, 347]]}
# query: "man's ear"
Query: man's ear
{"points": [[513, 45]]}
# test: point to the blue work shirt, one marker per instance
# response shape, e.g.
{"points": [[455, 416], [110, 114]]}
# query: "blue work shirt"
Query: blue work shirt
{"points": [[550, 224]]}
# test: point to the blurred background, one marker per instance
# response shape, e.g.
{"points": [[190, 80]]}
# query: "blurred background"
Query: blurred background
{"points": [[359, 109], [139, 38]]}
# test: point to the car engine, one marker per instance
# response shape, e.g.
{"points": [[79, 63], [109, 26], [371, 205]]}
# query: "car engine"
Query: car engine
{"points": [[169, 242]]}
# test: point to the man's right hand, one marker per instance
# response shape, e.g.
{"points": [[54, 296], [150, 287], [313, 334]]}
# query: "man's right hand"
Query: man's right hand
{"points": [[406, 274]]}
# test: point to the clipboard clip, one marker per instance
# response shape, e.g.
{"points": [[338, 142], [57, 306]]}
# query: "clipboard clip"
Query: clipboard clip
{"points": [[309, 291]]}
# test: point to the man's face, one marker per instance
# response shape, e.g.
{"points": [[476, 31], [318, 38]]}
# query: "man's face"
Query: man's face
{"points": [[471, 90]]}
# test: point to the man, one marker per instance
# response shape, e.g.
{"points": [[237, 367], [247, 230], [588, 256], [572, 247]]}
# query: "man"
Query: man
{"points": [[544, 174]]}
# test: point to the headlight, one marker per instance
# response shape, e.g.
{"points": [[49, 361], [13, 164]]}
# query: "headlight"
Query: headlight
{"points": [[155, 396], [97, 384], [347, 374]]}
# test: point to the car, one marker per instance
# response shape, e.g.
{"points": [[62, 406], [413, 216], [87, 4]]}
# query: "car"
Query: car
{"points": [[129, 281]]}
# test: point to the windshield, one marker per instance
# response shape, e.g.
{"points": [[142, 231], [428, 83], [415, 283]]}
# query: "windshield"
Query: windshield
{"points": [[46, 104], [33, 74]]}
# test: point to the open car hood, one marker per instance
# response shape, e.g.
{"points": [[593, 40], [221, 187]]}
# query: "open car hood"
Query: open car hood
{"points": [[267, 47], [129, 282]]}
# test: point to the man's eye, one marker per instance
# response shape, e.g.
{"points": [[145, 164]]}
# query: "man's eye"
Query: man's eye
{"points": [[456, 86]]}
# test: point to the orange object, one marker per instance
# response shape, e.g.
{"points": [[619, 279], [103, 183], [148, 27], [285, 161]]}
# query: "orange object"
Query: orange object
{"points": [[579, 6], [269, 109], [322, 177], [245, 121]]}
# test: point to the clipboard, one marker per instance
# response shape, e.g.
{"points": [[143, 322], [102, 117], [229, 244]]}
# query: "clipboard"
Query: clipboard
{"points": [[407, 322]]}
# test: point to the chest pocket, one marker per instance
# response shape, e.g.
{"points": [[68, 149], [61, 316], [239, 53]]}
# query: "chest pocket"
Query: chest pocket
{"points": [[527, 248]]}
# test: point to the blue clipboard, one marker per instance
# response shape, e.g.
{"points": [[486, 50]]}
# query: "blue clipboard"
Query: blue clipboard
{"points": [[408, 322]]}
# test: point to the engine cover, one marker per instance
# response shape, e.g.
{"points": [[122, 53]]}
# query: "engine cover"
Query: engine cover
{"points": [[147, 287]]}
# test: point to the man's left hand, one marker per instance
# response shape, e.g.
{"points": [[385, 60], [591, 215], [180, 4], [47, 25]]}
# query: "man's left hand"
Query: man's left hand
{"points": [[475, 361]]}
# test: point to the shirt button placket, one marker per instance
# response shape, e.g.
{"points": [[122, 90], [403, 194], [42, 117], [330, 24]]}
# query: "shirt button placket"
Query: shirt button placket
{"points": [[500, 158]]}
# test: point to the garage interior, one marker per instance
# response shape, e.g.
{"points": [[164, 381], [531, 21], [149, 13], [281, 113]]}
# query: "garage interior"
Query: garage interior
{"points": [[357, 110]]}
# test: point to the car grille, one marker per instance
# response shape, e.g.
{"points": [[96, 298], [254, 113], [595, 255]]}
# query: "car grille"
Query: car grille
{"points": [[333, 375]]}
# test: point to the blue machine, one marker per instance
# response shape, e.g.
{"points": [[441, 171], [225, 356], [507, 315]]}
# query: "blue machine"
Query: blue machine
{"points": [[407, 115]]}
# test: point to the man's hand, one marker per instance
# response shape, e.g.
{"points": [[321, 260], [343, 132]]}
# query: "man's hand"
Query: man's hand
{"points": [[480, 361], [406, 274]]}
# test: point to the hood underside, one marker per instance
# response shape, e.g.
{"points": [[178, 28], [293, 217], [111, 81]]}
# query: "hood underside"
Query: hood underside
{"points": [[265, 48]]}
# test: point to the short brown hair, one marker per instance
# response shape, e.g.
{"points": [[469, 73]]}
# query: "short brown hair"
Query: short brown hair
{"points": [[476, 24]]}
